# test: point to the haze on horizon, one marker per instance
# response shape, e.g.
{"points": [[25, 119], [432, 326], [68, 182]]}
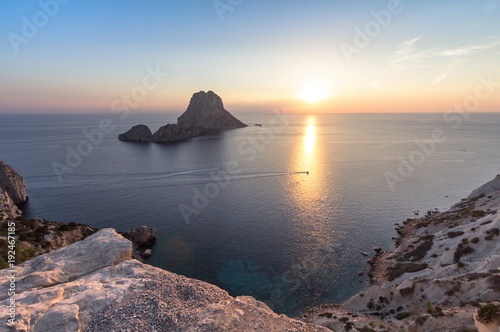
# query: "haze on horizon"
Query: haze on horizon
{"points": [[63, 56]]}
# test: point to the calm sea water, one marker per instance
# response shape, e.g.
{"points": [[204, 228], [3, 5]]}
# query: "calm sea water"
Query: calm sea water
{"points": [[289, 239]]}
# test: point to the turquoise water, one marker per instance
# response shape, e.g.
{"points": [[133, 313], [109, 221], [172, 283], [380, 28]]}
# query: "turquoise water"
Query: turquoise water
{"points": [[235, 209]]}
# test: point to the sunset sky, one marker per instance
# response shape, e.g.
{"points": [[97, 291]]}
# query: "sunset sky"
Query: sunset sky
{"points": [[308, 56]]}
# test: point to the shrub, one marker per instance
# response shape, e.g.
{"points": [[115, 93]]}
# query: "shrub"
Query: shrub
{"points": [[451, 235], [400, 269], [42, 230], [478, 214], [402, 315], [475, 240], [489, 312], [429, 308], [462, 251], [23, 254], [494, 231]]}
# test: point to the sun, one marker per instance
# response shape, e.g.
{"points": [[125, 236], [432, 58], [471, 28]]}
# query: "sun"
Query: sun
{"points": [[313, 92]]}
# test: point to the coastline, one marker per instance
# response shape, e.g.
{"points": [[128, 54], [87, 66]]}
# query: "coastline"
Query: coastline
{"points": [[443, 275], [444, 268]]}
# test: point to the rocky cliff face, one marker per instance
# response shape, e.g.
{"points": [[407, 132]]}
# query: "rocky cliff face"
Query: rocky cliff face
{"points": [[8, 210], [94, 285], [139, 133], [173, 132], [207, 110], [12, 183]]}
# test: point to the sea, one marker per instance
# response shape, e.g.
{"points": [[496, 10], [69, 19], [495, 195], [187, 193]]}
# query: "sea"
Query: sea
{"points": [[279, 210]]}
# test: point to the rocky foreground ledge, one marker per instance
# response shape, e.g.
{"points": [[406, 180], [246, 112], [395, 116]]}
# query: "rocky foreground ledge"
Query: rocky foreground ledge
{"points": [[94, 285], [443, 276]]}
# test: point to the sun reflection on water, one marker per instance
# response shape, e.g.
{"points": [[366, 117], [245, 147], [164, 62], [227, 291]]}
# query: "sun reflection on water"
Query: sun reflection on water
{"points": [[311, 224], [310, 137]]}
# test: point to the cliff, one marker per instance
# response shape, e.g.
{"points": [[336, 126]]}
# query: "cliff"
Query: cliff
{"points": [[205, 112], [94, 285], [12, 183], [34, 236], [445, 269], [8, 210]]}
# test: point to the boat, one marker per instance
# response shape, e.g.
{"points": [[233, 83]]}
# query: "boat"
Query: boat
{"points": [[258, 125]]}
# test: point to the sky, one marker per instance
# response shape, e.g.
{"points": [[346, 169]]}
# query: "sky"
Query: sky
{"points": [[73, 56]]}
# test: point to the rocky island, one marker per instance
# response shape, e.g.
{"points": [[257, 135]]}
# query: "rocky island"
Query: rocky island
{"points": [[205, 112]]}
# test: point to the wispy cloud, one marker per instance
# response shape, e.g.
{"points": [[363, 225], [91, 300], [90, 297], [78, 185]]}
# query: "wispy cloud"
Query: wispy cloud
{"points": [[448, 69], [468, 49], [491, 5], [408, 56]]}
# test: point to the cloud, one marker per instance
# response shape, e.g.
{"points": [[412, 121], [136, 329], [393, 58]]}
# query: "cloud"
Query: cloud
{"points": [[491, 5], [448, 69], [408, 56], [468, 50]]}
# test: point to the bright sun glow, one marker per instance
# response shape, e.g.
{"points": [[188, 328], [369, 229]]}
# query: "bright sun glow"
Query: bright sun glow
{"points": [[313, 93]]}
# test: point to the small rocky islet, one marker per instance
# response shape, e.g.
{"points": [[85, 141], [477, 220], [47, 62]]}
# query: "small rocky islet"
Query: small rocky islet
{"points": [[205, 112]]}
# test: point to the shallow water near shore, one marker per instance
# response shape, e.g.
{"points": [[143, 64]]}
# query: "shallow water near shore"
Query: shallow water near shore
{"points": [[235, 208]]}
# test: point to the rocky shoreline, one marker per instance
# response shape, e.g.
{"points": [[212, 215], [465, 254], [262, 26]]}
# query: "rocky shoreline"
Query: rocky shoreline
{"points": [[445, 268]]}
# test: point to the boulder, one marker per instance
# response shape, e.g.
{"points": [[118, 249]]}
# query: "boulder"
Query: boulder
{"points": [[173, 132], [102, 249], [93, 285], [139, 133], [207, 110], [142, 236], [12, 183], [147, 253]]}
